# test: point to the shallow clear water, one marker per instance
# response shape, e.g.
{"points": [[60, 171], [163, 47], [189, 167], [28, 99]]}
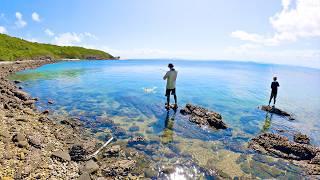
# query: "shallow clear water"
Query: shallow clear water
{"points": [[99, 90]]}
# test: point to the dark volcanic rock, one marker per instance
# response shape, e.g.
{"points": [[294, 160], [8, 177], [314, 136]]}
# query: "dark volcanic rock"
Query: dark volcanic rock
{"points": [[77, 153], [280, 146], [276, 111], [45, 112], [301, 138], [203, 116]]}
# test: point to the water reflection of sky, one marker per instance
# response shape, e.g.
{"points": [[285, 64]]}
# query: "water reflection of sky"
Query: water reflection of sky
{"points": [[116, 89]]}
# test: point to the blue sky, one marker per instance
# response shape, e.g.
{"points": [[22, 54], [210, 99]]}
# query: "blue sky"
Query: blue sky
{"points": [[272, 31]]}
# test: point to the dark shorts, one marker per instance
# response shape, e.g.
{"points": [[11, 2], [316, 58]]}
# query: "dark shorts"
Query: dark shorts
{"points": [[273, 95], [172, 91]]}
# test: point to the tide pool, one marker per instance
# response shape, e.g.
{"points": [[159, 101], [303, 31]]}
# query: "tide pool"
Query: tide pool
{"points": [[131, 94]]}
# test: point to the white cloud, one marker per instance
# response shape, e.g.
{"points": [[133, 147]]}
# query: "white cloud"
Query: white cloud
{"points": [[72, 39], [36, 17], [255, 38], [49, 32], [294, 21], [33, 40], [3, 30], [67, 39], [302, 21], [90, 35], [20, 22]]}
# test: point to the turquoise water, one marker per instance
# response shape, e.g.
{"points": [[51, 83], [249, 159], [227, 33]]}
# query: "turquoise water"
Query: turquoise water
{"points": [[131, 94]]}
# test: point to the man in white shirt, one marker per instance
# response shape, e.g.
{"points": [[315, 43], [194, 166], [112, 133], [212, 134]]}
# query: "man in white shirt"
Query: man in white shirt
{"points": [[171, 77]]}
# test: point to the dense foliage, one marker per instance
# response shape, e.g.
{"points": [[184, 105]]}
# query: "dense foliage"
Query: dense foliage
{"points": [[12, 48]]}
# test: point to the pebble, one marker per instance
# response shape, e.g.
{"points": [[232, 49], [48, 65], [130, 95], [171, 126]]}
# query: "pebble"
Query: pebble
{"points": [[84, 176], [90, 167], [21, 156], [62, 155], [22, 144], [22, 119], [4, 134]]}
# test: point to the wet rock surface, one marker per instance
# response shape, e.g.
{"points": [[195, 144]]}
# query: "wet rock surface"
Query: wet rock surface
{"points": [[277, 111], [202, 116], [301, 154]]}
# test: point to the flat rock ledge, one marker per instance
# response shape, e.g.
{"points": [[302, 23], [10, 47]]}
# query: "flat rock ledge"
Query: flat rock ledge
{"points": [[202, 116], [277, 111], [304, 155]]}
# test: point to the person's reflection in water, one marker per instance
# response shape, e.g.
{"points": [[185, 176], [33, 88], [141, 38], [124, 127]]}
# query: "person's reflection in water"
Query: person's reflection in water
{"points": [[167, 136], [267, 122]]}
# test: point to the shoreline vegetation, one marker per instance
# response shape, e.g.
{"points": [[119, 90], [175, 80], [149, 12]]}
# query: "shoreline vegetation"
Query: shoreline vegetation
{"points": [[14, 49]]}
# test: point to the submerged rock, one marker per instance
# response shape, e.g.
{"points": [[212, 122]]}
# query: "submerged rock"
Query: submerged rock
{"points": [[119, 168], [280, 146], [301, 138], [112, 151], [134, 128], [137, 140], [203, 116], [277, 111]]}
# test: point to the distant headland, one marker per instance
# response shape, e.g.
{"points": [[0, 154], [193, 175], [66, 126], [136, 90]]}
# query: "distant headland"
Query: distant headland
{"points": [[13, 49]]}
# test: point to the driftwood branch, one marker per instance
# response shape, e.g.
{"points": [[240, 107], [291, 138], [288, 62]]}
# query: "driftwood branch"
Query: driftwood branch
{"points": [[97, 151]]}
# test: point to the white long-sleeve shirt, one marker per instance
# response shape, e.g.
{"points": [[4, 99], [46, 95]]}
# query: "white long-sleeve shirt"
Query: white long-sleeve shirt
{"points": [[171, 77]]}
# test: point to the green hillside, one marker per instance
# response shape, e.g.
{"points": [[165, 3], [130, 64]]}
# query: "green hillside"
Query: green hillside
{"points": [[12, 48]]}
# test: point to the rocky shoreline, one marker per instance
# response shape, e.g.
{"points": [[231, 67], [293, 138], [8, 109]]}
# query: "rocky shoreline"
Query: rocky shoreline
{"points": [[35, 146]]}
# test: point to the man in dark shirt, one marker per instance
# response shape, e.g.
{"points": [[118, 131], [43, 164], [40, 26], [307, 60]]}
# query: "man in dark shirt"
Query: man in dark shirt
{"points": [[274, 90]]}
